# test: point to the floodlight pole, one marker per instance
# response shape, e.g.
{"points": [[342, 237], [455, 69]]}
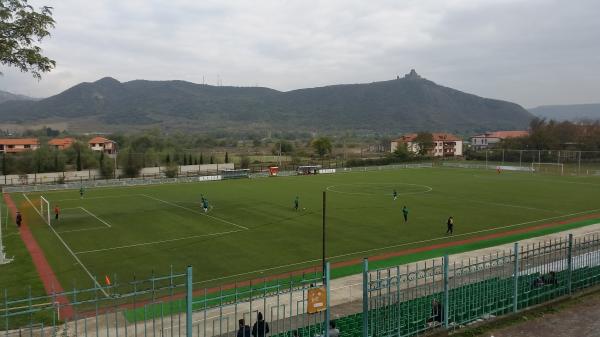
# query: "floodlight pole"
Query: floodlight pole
{"points": [[324, 237]]}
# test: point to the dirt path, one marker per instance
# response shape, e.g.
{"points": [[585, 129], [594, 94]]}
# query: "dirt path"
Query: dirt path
{"points": [[577, 318]]}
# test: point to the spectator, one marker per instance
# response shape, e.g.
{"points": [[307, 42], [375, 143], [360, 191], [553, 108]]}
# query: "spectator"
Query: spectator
{"points": [[538, 282], [244, 330], [260, 328], [436, 311], [333, 331], [551, 278]]}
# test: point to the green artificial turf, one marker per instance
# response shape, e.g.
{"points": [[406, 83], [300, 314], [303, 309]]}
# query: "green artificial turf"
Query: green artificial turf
{"points": [[252, 229]]}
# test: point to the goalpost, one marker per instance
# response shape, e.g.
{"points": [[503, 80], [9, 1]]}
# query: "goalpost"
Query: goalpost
{"points": [[45, 210], [555, 168], [3, 258]]}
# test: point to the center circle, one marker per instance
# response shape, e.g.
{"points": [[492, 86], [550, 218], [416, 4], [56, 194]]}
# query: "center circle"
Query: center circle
{"points": [[379, 189]]}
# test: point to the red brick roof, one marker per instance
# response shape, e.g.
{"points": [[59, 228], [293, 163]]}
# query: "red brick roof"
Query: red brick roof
{"points": [[100, 140], [437, 137], [64, 142], [504, 134], [19, 141]]}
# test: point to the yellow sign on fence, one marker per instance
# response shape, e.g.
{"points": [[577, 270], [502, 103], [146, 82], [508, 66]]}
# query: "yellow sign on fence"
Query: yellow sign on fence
{"points": [[317, 300]]}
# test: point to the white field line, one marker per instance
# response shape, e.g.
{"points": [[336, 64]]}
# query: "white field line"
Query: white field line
{"points": [[97, 218], [82, 230], [70, 251], [509, 205], [157, 242], [89, 198], [260, 271], [195, 211]]}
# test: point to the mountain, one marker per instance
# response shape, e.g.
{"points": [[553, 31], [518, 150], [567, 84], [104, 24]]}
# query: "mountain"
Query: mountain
{"points": [[568, 112], [7, 96], [404, 104]]}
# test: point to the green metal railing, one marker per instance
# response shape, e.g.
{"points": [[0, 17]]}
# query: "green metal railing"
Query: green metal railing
{"points": [[405, 300]]}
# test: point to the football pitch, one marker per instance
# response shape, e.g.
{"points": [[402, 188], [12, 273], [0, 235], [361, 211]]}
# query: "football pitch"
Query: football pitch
{"points": [[253, 230]]}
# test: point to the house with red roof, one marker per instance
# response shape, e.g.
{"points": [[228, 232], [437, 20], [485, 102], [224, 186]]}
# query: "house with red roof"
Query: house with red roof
{"points": [[445, 144], [14, 145], [103, 144], [489, 139], [61, 143]]}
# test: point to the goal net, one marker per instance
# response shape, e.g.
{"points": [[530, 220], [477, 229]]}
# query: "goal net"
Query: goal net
{"points": [[3, 258], [550, 168], [45, 210]]}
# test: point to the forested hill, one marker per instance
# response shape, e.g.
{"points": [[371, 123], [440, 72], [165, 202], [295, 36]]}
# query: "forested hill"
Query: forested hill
{"points": [[404, 104], [572, 112]]}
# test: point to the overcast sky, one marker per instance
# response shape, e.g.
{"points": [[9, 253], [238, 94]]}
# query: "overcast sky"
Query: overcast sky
{"points": [[532, 52]]}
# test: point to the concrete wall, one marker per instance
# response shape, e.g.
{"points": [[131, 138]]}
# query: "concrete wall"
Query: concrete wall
{"points": [[53, 177]]}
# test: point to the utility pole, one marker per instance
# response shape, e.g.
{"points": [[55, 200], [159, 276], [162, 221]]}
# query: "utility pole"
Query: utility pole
{"points": [[324, 237]]}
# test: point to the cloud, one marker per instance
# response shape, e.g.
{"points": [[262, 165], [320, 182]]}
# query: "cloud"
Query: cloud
{"points": [[529, 51]]}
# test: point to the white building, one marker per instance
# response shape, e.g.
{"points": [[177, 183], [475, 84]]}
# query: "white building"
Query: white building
{"points": [[445, 144], [102, 144], [488, 139]]}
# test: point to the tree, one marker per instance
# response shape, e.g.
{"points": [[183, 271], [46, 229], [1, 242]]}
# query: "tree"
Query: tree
{"points": [[201, 159], [226, 157], [425, 142], [322, 146], [212, 159], [401, 152], [21, 27], [286, 148], [79, 168], [168, 160], [106, 166], [131, 163]]}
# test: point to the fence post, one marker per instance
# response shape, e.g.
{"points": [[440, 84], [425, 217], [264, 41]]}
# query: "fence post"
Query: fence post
{"points": [[446, 291], [516, 279], [188, 303], [327, 299], [570, 265], [365, 314]]}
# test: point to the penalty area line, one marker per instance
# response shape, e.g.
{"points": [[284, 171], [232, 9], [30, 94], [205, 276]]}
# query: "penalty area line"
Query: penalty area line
{"points": [[97, 218], [194, 211], [157, 242], [69, 249]]}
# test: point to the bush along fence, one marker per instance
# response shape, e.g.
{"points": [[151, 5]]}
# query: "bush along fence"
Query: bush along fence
{"points": [[404, 300]]}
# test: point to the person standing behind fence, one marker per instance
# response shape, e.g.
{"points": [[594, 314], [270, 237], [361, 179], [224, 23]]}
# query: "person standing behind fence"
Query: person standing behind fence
{"points": [[450, 225], [244, 330], [19, 219], [260, 328]]}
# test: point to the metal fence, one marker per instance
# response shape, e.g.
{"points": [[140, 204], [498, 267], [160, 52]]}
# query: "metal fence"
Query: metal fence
{"points": [[568, 162], [403, 300]]}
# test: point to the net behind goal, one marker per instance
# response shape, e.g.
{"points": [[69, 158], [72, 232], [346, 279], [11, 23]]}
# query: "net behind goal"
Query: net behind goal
{"points": [[551, 168], [45, 209]]}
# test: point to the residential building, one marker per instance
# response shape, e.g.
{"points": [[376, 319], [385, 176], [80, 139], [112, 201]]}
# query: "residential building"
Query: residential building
{"points": [[489, 139], [61, 143], [102, 144], [445, 144], [14, 145]]}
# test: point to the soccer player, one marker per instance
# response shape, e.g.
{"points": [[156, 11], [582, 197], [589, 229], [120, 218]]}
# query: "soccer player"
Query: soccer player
{"points": [[19, 219], [205, 205], [498, 169], [450, 226], [405, 213], [296, 203], [395, 194], [81, 191], [56, 212]]}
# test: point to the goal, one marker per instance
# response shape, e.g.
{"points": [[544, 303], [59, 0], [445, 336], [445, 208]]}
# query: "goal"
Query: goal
{"points": [[45, 210], [3, 258], [551, 168]]}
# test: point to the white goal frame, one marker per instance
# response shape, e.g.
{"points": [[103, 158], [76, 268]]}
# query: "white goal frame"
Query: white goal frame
{"points": [[3, 258], [535, 166], [45, 213]]}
